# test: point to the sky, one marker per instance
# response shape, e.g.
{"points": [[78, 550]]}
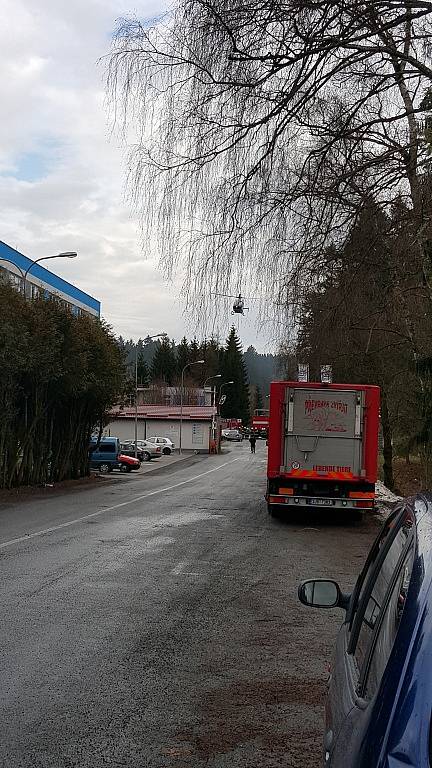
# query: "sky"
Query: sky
{"points": [[62, 175]]}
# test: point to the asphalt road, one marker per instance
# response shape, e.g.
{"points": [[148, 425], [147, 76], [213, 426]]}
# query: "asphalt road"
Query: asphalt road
{"points": [[154, 622]]}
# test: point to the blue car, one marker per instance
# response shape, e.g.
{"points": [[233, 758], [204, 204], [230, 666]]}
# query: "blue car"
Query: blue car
{"points": [[105, 456], [379, 704]]}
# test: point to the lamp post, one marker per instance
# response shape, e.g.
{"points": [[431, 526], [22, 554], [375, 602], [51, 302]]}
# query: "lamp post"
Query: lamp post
{"points": [[156, 336], [24, 273], [21, 271], [189, 365], [225, 384], [65, 255], [209, 378], [212, 401]]}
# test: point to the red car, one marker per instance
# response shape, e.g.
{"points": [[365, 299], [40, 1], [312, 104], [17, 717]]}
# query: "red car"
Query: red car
{"points": [[128, 463]]}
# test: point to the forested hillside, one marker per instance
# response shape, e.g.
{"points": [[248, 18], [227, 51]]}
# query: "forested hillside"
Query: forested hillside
{"points": [[162, 362]]}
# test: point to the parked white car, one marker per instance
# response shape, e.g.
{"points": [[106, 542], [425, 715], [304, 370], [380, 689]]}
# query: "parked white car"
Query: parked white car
{"points": [[232, 434], [165, 443], [147, 449]]}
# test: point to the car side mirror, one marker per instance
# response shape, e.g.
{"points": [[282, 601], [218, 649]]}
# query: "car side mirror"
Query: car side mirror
{"points": [[322, 593]]}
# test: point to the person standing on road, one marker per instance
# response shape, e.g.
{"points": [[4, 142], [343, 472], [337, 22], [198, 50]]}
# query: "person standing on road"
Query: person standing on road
{"points": [[252, 441]]}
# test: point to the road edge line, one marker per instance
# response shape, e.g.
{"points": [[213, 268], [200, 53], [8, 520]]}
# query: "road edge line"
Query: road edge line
{"points": [[121, 504]]}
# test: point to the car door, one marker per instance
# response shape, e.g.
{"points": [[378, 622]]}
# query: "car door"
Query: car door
{"points": [[364, 646]]}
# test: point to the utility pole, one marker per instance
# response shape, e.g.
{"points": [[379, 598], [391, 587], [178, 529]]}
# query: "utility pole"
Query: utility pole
{"points": [[156, 336], [197, 362]]}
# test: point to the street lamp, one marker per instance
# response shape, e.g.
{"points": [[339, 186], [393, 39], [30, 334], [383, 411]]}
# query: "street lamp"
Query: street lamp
{"points": [[225, 384], [21, 271], [156, 336], [209, 378], [65, 255], [197, 362]]}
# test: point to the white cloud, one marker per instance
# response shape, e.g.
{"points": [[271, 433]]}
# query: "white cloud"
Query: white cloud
{"points": [[61, 173]]}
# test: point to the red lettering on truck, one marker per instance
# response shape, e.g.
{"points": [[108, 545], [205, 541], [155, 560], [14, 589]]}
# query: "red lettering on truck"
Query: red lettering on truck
{"points": [[331, 468], [337, 405]]}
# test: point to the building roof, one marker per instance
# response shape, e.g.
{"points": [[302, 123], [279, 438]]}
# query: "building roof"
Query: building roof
{"points": [[9, 254], [193, 413]]}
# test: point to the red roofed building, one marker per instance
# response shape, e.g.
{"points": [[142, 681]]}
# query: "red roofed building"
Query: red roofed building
{"points": [[164, 421]]}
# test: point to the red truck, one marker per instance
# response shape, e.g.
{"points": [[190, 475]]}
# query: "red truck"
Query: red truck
{"points": [[260, 422], [322, 445]]}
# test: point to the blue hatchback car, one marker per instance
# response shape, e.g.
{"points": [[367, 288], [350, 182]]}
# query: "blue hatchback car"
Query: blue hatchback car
{"points": [[379, 704]]}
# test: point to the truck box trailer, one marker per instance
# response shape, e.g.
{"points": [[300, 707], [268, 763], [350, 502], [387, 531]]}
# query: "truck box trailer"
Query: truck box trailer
{"points": [[322, 445]]}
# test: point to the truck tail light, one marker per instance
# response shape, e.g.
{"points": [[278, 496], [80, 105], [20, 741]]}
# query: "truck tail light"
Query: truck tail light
{"points": [[287, 491], [364, 504], [361, 495]]}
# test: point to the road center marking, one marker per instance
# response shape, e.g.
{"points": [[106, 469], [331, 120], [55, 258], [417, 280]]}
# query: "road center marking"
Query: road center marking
{"points": [[179, 567], [53, 528]]}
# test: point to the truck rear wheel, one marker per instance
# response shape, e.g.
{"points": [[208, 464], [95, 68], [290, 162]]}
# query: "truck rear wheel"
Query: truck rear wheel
{"points": [[272, 510]]}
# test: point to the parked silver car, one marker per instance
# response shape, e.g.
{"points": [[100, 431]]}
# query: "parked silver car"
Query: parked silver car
{"points": [[147, 449], [165, 444], [232, 434]]}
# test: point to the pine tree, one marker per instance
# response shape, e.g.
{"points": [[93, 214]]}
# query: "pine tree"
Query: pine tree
{"points": [[194, 350], [210, 352], [183, 355], [258, 401], [195, 373], [142, 371], [163, 367], [234, 369]]}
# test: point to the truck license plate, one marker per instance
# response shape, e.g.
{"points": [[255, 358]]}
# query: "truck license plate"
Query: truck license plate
{"points": [[320, 502]]}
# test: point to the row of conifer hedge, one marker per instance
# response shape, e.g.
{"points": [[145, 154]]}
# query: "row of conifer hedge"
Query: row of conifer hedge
{"points": [[59, 375]]}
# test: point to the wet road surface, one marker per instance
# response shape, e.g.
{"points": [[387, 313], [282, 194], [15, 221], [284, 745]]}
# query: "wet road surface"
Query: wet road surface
{"points": [[155, 622]]}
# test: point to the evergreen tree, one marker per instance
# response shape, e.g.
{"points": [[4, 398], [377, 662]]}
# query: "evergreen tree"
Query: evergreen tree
{"points": [[234, 369], [183, 355], [163, 367], [210, 352], [262, 369], [258, 401], [149, 347], [142, 371], [195, 373]]}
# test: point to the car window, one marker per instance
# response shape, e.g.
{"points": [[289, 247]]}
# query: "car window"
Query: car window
{"points": [[363, 579], [388, 626], [383, 610], [108, 447]]}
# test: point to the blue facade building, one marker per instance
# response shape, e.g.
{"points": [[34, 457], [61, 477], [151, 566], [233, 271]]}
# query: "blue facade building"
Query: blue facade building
{"points": [[42, 282]]}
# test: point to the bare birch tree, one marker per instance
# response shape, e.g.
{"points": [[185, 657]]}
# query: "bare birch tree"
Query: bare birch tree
{"points": [[261, 128]]}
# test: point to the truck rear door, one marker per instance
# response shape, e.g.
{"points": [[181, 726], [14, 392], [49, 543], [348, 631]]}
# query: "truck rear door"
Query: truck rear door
{"points": [[323, 433]]}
